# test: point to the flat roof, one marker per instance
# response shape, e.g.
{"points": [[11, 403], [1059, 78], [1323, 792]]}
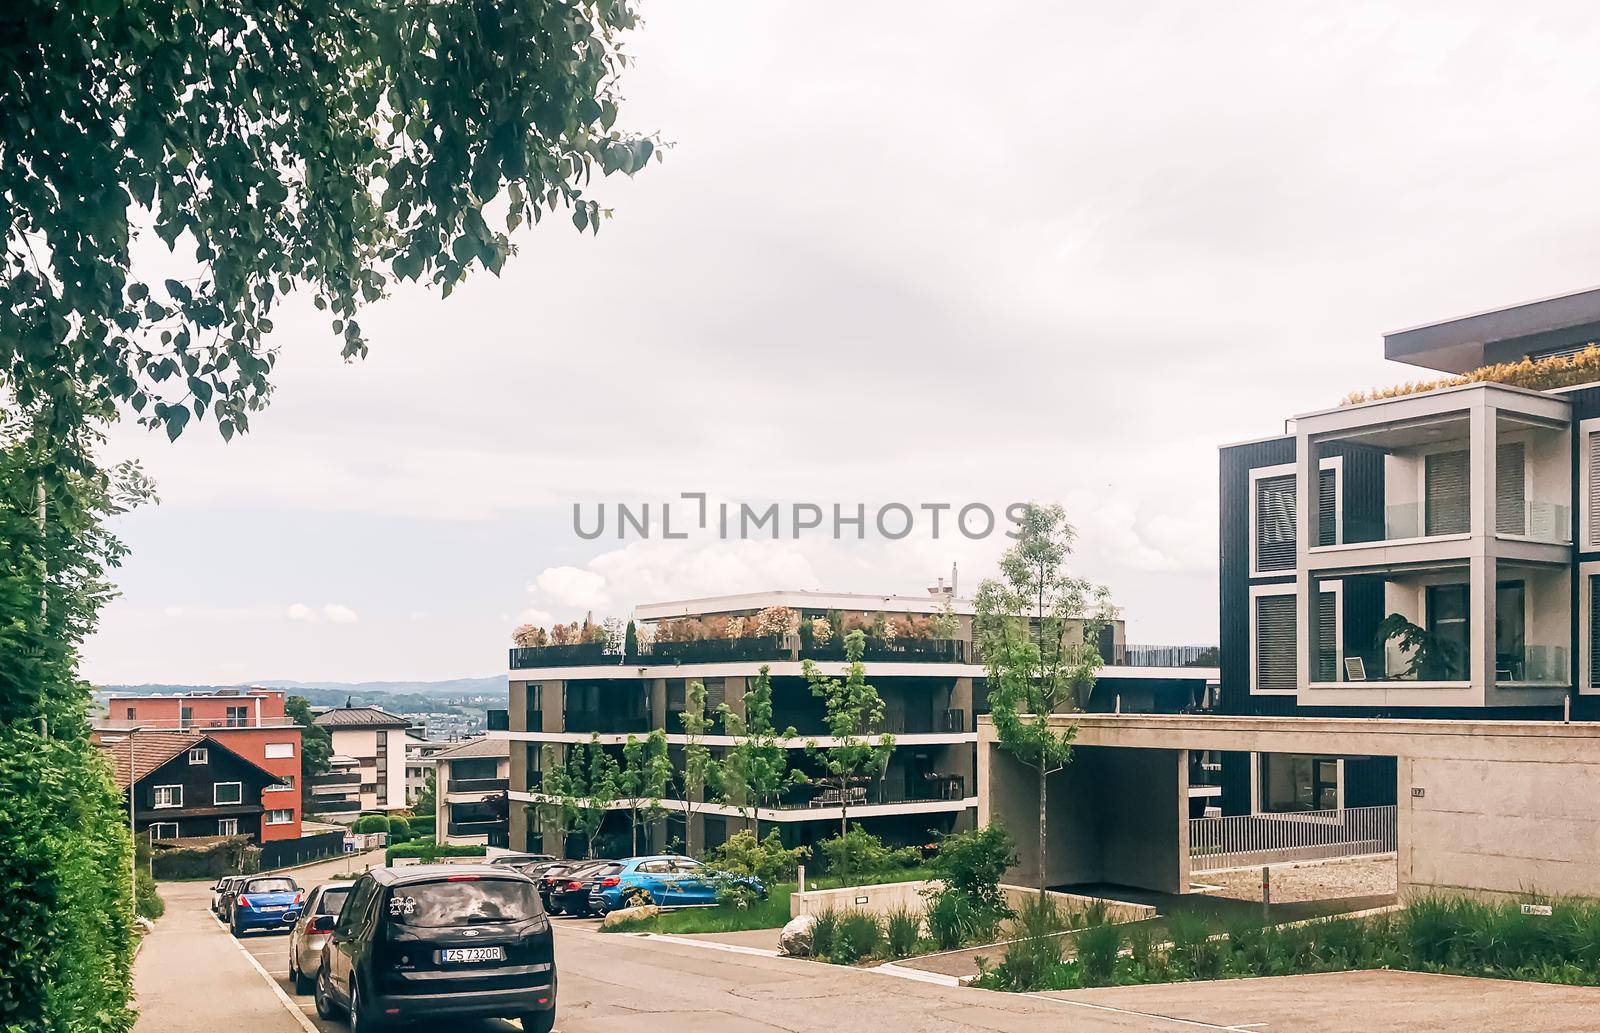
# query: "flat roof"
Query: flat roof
{"points": [[1499, 335]]}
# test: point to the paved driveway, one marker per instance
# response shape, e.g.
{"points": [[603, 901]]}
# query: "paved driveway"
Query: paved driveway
{"points": [[192, 977]]}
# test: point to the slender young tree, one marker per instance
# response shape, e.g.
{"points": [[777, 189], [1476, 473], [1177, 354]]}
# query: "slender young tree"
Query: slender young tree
{"points": [[1038, 628], [579, 792], [700, 778], [756, 770], [644, 779], [854, 716]]}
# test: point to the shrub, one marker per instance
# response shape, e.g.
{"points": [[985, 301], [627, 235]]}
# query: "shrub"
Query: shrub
{"points": [[860, 936], [427, 850], [954, 920], [859, 852], [368, 823], [824, 933], [972, 863], [1097, 953], [902, 928], [1035, 950], [739, 895], [232, 856], [399, 829], [1542, 374], [1142, 951], [767, 860], [1189, 934], [147, 902], [423, 825]]}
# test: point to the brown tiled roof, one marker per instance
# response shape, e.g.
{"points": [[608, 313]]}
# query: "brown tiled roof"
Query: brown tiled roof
{"points": [[360, 717], [150, 751], [483, 747]]}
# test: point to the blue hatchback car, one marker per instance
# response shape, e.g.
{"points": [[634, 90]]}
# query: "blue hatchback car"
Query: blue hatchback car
{"points": [[266, 902], [671, 880]]}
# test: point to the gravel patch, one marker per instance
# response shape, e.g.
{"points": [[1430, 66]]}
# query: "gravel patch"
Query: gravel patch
{"points": [[1320, 880]]}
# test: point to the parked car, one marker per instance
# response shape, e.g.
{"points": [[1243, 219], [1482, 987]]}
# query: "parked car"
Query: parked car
{"points": [[265, 902], [306, 939], [549, 877], [436, 942], [222, 894], [669, 880], [518, 860], [571, 891]]}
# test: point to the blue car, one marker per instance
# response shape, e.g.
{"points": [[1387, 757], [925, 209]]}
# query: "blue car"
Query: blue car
{"points": [[670, 880], [266, 902]]}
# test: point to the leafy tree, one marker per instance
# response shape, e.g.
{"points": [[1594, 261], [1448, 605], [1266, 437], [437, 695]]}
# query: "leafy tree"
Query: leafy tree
{"points": [[645, 775], [1038, 627], [755, 772], [426, 802], [335, 146], [700, 777], [579, 791], [854, 713], [316, 745]]}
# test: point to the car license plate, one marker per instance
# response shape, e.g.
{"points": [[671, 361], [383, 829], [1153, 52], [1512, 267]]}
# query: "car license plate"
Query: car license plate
{"points": [[271, 909], [470, 954]]}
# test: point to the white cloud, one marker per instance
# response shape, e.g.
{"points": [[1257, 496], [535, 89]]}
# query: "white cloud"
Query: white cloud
{"points": [[571, 587], [299, 612], [531, 615], [339, 613]]}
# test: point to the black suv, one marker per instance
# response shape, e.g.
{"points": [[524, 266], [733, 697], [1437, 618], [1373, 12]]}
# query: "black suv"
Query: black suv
{"points": [[440, 941]]}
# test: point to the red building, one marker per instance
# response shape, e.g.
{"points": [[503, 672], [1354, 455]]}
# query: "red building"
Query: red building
{"points": [[251, 722]]}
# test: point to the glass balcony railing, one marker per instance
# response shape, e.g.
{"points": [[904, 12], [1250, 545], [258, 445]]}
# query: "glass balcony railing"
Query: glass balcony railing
{"points": [[1541, 521], [1533, 664]]}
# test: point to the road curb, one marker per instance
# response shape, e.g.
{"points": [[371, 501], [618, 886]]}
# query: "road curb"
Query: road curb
{"points": [[277, 991]]}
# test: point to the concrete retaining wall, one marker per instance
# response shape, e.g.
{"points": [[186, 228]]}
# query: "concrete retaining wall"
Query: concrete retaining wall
{"points": [[877, 900], [1117, 911]]}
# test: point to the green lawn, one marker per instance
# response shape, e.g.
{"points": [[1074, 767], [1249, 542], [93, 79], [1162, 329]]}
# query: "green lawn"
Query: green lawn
{"points": [[771, 913]]}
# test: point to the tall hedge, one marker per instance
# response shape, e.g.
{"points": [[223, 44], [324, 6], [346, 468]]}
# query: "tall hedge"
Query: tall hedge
{"points": [[66, 909]]}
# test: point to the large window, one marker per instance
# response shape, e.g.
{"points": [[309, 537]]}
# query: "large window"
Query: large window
{"points": [[280, 817], [163, 830], [168, 796], [238, 717], [1275, 643], [198, 755], [1448, 486], [1449, 618], [1290, 782], [1274, 523], [227, 826], [227, 793]]}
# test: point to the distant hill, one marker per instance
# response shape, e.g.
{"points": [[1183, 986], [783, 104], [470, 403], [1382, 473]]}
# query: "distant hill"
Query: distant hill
{"points": [[492, 686]]}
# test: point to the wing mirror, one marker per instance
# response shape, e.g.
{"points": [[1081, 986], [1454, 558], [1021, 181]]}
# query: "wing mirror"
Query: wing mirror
{"points": [[324, 923]]}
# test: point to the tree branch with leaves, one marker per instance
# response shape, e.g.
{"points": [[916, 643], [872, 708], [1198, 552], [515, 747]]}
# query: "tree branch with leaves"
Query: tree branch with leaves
{"points": [[1038, 629], [854, 717], [756, 769]]}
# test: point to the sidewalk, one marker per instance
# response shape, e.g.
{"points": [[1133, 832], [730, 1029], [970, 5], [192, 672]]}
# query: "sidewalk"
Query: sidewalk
{"points": [[190, 976]]}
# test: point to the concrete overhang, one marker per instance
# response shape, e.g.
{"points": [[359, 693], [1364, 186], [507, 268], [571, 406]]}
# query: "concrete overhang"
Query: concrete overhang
{"points": [[1545, 741], [1499, 335]]}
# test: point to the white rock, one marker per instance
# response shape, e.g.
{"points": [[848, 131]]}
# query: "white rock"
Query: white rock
{"points": [[627, 914], [795, 938]]}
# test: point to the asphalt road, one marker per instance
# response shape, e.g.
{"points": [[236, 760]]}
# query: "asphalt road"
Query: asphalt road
{"points": [[630, 984]]}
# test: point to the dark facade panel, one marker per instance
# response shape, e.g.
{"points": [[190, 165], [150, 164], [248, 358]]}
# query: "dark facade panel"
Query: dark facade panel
{"points": [[1233, 566]]}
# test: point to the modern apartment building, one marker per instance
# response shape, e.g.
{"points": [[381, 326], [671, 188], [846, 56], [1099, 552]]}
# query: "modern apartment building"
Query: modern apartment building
{"points": [[376, 741], [251, 722], [1434, 553], [919, 656], [471, 781]]}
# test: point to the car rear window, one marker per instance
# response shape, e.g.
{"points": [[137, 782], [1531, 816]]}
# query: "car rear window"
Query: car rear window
{"points": [[332, 901], [601, 871], [271, 886], [429, 905]]}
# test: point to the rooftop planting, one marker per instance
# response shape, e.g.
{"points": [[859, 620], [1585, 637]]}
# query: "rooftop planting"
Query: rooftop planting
{"points": [[1547, 374]]}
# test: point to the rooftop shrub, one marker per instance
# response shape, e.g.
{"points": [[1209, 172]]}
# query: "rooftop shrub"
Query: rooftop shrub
{"points": [[1546, 374]]}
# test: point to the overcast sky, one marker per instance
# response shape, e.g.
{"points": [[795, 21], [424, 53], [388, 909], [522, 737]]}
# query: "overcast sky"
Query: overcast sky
{"points": [[928, 252]]}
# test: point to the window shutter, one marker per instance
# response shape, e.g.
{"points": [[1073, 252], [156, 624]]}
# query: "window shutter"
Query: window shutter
{"points": [[1327, 507], [1275, 523], [1594, 631], [716, 693], [1593, 501], [1510, 511], [1275, 634], [1449, 493], [1327, 637]]}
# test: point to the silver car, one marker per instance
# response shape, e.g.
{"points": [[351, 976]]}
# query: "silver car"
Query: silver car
{"points": [[310, 934]]}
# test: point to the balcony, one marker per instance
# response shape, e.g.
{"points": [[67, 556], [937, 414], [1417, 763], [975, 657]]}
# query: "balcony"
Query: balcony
{"points": [[749, 649], [1132, 655], [334, 780], [475, 828], [477, 785], [876, 792], [318, 806]]}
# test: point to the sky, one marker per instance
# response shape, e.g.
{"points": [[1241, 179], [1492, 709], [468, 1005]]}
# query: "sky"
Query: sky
{"points": [[929, 253]]}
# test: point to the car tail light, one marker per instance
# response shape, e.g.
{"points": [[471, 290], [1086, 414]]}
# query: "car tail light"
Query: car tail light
{"points": [[299, 897], [243, 901], [462, 878], [611, 880], [574, 885]]}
